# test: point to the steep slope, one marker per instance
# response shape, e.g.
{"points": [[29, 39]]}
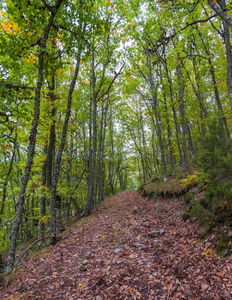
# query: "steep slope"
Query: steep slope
{"points": [[129, 248]]}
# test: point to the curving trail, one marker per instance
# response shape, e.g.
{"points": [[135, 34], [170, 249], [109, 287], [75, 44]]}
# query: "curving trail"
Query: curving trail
{"points": [[109, 255]]}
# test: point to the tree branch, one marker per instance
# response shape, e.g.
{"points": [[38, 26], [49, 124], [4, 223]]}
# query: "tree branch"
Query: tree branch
{"points": [[17, 87], [220, 12]]}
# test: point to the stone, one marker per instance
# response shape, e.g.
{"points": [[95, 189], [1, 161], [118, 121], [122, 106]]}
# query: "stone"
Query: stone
{"points": [[118, 262], [119, 250], [127, 278], [85, 262], [226, 253], [156, 233], [105, 271], [98, 298]]}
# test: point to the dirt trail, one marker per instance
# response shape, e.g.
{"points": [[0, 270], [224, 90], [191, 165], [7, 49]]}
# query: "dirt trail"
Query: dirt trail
{"points": [[109, 255]]}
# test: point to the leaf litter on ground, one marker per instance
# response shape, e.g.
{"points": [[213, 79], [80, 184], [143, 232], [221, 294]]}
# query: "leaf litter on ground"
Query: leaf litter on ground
{"points": [[113, 255]]}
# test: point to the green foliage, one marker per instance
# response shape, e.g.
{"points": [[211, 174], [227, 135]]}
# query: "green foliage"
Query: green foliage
{"points": [[223, 243], [200, 213], [216, 163], [214, 206]]}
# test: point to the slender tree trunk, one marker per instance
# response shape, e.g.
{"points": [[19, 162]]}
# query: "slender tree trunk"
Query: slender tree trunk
{"points": [[32, 143], [52, 138], [220, 11], [227, 41], [222, 119], [92, 172], [6, 183], [181, 110], [154, 151], [183, 164], [158, 128], [43, 201], [54, 206], [169, 137]]}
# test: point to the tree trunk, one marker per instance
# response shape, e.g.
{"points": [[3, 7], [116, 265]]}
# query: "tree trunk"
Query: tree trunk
{"points": [[158, 128], [92, 171], [181, 111], [32, 143], [227, 41], [222, 119], [220, 12], [43, 201], [55, 206], [6, 182]]}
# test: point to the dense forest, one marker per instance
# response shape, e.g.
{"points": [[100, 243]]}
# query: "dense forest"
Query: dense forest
{"points": [[98, 96]]}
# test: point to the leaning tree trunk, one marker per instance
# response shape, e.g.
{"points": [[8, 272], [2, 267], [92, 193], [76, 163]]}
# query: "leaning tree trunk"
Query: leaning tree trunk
{"points": [[92, 159], [227, 41], [158, 128], [181, 110], [183, 163], [6, 181], [221, 119], [55, 205], [32, 143], [169, 131], [220, 11]]}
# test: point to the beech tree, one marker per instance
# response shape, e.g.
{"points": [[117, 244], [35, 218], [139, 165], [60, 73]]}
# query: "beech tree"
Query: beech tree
{"points": [[99, 95]]}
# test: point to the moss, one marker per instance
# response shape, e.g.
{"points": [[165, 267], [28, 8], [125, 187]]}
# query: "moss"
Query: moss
{"points": [[230, 224], [156, 188], [200, 213], [188, 197], [204, 230], [186, 216], [223, 243], [220, 218]]}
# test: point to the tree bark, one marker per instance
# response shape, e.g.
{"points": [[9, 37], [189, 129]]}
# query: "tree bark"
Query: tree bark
{"points": [[227, 41], [221, 12], [54, 205], [158, 128], [181, 110], [32, 143], [92, 159]]}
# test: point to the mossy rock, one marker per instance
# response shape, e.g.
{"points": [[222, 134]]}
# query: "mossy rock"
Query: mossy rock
{"points": [[204, 216], [204, 231], [188, 197], [223, 243]]}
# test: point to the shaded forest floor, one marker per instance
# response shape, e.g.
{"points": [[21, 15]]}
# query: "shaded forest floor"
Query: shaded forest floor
{"points": [[110, 255]]}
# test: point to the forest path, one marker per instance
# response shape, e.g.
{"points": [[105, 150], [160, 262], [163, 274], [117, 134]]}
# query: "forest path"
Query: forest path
{"points": [[123, 262]]}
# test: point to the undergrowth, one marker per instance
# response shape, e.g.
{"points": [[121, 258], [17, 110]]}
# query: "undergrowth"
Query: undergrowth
{"points": [[207, 189]]}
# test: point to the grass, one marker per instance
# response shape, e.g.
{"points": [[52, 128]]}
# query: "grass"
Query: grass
{"points": [[170, 188]]}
